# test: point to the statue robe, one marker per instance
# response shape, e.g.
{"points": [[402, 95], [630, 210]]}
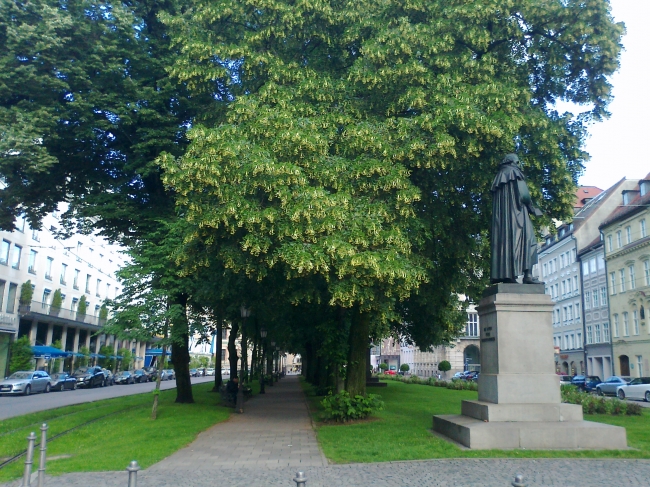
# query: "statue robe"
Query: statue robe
{"points": [[514, 244]]}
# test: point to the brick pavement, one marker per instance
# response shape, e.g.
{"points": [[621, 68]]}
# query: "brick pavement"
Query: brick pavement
{"points": [[274, 431]]}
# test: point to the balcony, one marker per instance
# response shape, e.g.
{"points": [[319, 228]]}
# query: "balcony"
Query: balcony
{"points": [[38, 308]]}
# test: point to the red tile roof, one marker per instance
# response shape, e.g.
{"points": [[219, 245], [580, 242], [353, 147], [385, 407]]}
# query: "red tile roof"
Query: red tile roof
{"points": [[639, 203], [584, 194]]}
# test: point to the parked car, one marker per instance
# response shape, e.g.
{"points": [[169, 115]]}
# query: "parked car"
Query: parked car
{"points": [[62, 381], [140, 376], [457, 376], [110, 379], [165, 375], [638, 388], [565, 380], [470, 375], [124, 377], [194, 373], [26, 382], [609, 387], [89, 377], [225, 372], [152, 372], [586, 383], [391, 372], [209, 371]]}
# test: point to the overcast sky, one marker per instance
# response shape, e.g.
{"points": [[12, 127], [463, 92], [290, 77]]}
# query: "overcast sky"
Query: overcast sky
{"points": [[620, 145]]}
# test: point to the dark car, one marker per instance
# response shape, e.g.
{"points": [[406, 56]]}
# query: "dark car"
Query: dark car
{"points": [[63, 381], [586, 383], [470, 375], [194, 373], [110, 379], [152, 372], [124, 377], [140, 376], [89, 377]]}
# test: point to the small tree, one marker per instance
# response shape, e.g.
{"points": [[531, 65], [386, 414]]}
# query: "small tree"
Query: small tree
{"points": [[404, 367], [57, 301], [383, 367], [103, 313], [83, 361], [125, 362], [21, 354], [107, 361], [56, 362], [444, 366], [83, 306], [26, 293]]}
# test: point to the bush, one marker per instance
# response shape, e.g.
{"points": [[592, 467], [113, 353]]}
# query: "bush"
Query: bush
{"points": [[414, 379], [57, 300], [598, 405], [444, 366], [83, 306], [26, 293], [341, 407], [404, 367], [383, 367], [21, 355], [633, 409], [462, 385]]}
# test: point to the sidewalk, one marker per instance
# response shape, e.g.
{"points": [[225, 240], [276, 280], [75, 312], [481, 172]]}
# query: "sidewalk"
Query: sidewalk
{"points": [[274, 431]]}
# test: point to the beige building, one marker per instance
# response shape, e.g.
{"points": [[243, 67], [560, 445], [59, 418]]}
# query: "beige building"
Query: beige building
{"points": [[627, 255]]}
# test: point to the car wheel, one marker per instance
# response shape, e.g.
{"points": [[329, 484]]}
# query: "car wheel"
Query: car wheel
{"points": [[74, 386], [647, 396], [621, 395], [27, 391], [599, 391], [48, 387]]}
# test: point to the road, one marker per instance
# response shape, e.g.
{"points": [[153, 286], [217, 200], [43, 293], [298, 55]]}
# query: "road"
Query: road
{"points": [[11, 406]]}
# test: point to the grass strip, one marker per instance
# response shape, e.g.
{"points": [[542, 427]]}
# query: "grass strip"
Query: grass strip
{"points": [[111, 443], [402, 431]]}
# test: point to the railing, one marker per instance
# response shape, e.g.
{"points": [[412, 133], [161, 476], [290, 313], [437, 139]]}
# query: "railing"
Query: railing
{"points": [[38, 307]]}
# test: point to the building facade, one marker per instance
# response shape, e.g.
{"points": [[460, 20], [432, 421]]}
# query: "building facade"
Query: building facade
{"points": [[78, 266], [627, 257], [598, 349]]}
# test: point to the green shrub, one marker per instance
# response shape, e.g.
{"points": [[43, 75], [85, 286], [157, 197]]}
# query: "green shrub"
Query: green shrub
{"points": [[21, 355], [431, 381], [83, 306], [404, 367], [444, 366], [414, 379], [462, 385], [383, 367], [633, 409], [341, 407], [26, 293], [57, 300], [598, 405]]}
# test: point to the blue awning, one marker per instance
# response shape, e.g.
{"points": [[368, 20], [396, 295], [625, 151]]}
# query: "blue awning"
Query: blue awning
{"points": [[119, 357], [156, 352], [41, 351], [76, 354], [97, 355]]}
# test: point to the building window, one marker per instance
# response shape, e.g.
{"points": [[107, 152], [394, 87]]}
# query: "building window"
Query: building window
{"points": [[11, 297], [15, 261], [575, 283], [2, 293], [88, 278], [48, 268], [75, 282], [626, 325], [585, 268], [619, 240], [64, 270], [590, 337], [577, 315], [31, 264], [612, 283], [596, 333], [646, 272], [606, 332], [601, 262], [99, 282], [609, 243], [578, 340], [635, 321], [615, 330], [46, 296], [592, 265], [545, 269], [587, 299], [35, 235], [20, 223], [628, 235], [621, 273], [562, 262], [75, 303], [570, 312], [603, 296], [639, 365], [643, 230], [595, 298], [632, 277]]}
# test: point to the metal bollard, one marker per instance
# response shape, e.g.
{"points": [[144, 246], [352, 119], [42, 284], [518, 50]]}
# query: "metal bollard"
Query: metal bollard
{"points": [[29, 460], [133, 473], [41, 463], [519, 481], [300, 479]]}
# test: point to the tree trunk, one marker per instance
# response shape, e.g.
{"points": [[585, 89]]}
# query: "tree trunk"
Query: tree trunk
{"points": [[218, 343], [244, 356], [355, 382], [232, 350], [254, 367], [181, 355], [269, 365]]}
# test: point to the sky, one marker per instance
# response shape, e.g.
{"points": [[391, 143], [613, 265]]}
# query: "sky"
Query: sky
{"points": [[619, 146]]}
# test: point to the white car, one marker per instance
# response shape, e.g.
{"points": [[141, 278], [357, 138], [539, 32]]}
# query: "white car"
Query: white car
{"points": [[639, 388], [209, 371], [225, 371]]}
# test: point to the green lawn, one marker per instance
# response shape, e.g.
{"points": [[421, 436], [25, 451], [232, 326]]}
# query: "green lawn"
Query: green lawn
{"points": [[402, 431], [111, 443]]}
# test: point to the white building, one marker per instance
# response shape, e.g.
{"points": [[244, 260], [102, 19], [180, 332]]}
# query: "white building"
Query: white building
{"points": [[78, 266]]}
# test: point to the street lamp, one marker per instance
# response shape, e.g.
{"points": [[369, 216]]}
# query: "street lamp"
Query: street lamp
{"points": [[263, 333], [245, 313]]}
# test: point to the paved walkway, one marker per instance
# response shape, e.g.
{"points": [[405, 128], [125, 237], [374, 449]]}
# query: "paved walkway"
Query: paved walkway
{"points": [[274, 431]]}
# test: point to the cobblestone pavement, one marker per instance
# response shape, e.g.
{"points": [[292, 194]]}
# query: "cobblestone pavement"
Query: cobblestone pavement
{"points": [[274, 431], [429, 473]]}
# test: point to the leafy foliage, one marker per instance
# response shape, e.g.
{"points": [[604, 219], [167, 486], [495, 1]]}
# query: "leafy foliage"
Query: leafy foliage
{"points": [[82, 307], [341, 407], [26, 293], [598, 405], [404, 367], [444, 366], [57, 299], [21, 355]]}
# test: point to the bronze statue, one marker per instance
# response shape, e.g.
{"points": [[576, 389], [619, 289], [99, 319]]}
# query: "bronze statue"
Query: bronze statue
{"points": [[514, 245]]}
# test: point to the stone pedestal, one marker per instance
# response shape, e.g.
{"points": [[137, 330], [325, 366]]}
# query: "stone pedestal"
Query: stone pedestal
{"points": [[518, 391]]}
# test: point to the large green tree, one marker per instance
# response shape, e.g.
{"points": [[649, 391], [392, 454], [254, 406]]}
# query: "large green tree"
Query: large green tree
{"points": [[361, 138]]}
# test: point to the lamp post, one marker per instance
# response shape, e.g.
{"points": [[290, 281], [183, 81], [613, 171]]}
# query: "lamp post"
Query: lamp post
{"points": [[277, 362], [263, 333], [245, 313]]}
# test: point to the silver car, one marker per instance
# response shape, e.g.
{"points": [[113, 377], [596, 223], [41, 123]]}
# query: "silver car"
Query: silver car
{"points": [[609, 387], [26, 382]]}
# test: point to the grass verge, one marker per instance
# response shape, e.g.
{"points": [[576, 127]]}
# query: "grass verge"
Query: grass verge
{"points": [[402, 431], [112, 442]]}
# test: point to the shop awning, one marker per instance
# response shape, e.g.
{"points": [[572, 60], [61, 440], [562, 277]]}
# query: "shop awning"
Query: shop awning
{"points": [[97, 355], [41, 351], [118, 357], [156, 352]]}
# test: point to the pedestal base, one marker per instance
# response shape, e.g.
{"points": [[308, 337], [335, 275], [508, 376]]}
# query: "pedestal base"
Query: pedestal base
{"points": [[532, 435]]}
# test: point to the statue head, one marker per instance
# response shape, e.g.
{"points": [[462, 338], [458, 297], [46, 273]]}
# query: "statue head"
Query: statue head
{"points": [[510, 159]]}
